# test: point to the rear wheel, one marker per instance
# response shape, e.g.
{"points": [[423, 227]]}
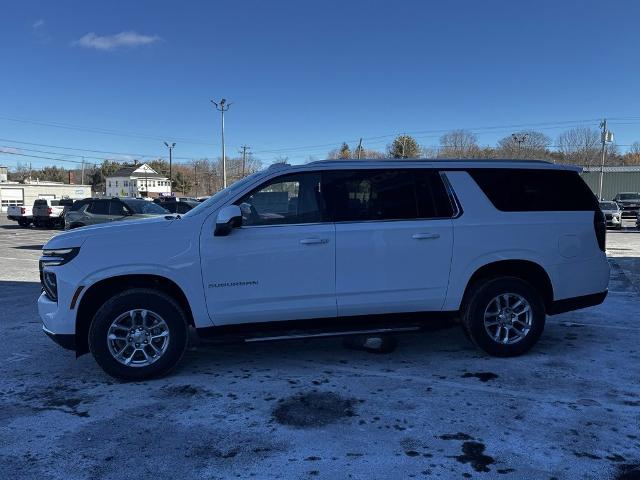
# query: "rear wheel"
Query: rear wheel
{"points": [[504, 316], [138, 334]]}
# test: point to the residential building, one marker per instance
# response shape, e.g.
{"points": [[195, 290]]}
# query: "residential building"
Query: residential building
{"points": [[137, 181]]}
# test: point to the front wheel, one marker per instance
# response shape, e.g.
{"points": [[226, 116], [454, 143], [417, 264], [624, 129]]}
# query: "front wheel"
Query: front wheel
{"points": [[138, 334], [504, 316]]}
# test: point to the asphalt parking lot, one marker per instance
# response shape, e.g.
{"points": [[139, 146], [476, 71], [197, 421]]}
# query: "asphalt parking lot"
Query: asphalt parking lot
{"points": [[435, 407]]}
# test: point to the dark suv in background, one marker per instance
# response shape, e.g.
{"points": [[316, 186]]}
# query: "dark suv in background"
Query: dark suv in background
{"points": [[92, 211], [629, 203]]}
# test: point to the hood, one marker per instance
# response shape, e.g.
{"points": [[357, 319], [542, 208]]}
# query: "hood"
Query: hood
{"points": [[134, 227]]}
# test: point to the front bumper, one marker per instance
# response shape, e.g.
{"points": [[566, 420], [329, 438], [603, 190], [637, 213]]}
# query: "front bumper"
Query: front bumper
{"points": [[65, 340]]}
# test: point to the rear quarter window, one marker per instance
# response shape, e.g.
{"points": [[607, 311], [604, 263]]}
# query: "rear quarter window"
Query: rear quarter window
{"points": [[521, 190]]}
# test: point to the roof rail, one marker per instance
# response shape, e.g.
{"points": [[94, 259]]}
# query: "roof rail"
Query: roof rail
{"points": [[278, 166]]}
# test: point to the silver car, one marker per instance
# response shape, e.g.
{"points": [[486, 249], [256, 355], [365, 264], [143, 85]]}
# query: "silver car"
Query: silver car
{"points": [[92, 211], [612, 213]]}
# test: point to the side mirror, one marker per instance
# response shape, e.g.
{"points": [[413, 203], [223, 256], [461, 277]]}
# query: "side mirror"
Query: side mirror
{"points": [[229, 217]]}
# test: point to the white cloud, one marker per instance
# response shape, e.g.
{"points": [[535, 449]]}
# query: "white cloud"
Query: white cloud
{"points": [[38, 23], [112, 42], [9, 150]]}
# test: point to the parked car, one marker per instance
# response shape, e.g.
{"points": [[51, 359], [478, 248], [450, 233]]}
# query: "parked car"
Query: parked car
{"points": [[330, 248], [182, 206], [612, 214], [92, 211], [22, 214], [629, 203], [49, 213]]}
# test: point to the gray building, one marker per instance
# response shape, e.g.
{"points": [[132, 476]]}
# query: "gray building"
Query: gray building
{"points": [[615, 179], [13, 193]]}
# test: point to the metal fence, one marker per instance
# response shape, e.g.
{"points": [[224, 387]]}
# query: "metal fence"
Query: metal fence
{"points": [[615, 180]]}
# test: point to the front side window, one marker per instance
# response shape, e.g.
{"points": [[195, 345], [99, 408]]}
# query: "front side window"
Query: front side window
{"points": [[290, 199]]}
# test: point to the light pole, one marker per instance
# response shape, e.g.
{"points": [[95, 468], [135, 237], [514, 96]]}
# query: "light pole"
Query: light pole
{"points": [[519, 139], [606, 137], [170, 147], [222, 106]]}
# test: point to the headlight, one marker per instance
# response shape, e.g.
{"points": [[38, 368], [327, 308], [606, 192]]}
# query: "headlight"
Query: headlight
{"points": [[59, 256], [53, 258]]}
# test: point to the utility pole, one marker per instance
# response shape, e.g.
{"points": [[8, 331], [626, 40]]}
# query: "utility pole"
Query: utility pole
{"points": [[170, 147], [244, 158], [222, 106], [359, 149], [82, 176], [606, 137], [195, 177]]}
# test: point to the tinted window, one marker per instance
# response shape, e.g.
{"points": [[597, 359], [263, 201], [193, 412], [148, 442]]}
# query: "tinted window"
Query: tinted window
{"points": [[608, 205], [629, 196], [170, 206], [78, 205], [99, 207], [360, 195], [516, 190], [294, 198], [117, 208], [144, 207]]}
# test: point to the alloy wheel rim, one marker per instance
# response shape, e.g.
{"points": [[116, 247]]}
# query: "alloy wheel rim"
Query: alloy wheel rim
{"points": [[508, 318], [138, 338]]}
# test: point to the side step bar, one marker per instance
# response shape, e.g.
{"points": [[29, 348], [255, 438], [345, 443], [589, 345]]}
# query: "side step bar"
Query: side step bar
{"points": [[294, 336]]}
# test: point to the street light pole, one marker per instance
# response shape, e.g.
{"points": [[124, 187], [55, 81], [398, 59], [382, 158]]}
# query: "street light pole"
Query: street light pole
{"points": [[170, 147], [222, 106], [519, 138]]}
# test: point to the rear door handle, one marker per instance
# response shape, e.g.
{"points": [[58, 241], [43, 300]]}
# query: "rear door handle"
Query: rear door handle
{"points": [[425, 236], [313, 241]]}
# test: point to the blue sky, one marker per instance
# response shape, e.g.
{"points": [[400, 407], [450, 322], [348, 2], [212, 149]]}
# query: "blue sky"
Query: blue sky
{"points": [[308, 73]]}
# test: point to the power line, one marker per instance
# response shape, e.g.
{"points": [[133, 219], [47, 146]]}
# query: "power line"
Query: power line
{"points": [[78, 149], [102, 131]]}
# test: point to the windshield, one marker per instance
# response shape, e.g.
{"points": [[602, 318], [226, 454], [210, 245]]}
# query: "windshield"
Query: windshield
{"points": [[145, 207], [629, 196], [239, 185], [608, 206]]}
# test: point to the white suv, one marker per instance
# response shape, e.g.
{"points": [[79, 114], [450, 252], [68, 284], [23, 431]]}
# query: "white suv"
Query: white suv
{"points": [[333, 247]]}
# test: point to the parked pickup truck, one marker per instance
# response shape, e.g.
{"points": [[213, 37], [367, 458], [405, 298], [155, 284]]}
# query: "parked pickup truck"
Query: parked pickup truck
{"points": [[50, 213], [21, 214]]}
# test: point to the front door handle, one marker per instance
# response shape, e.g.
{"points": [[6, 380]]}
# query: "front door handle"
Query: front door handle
{"points": [[313, 241], [425, 236]]}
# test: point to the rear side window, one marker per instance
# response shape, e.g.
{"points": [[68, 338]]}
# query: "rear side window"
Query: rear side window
{"points": [[99, 207], [117, 208], [516, 190], [363, 195], [78, 205]]}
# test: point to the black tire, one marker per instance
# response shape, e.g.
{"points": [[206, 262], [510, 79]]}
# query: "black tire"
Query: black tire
{"points": [[23, 223], [75, 225], [478, 300], [139, 298]]}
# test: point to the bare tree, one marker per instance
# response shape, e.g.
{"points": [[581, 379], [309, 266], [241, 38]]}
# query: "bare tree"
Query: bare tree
{"points": [[459, 144], [632, 157], [527, 144], [580, 146]]}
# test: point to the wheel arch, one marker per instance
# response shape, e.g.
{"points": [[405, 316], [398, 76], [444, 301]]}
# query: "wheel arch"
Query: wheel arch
{"points": [[526, 270], [95, 296]]}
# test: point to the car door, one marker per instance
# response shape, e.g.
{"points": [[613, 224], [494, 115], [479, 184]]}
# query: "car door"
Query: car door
{"points": [[280, 264], [394, 239]]}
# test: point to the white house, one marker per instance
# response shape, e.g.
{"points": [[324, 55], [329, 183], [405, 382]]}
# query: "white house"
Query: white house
{"points": [[137, 181]]}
